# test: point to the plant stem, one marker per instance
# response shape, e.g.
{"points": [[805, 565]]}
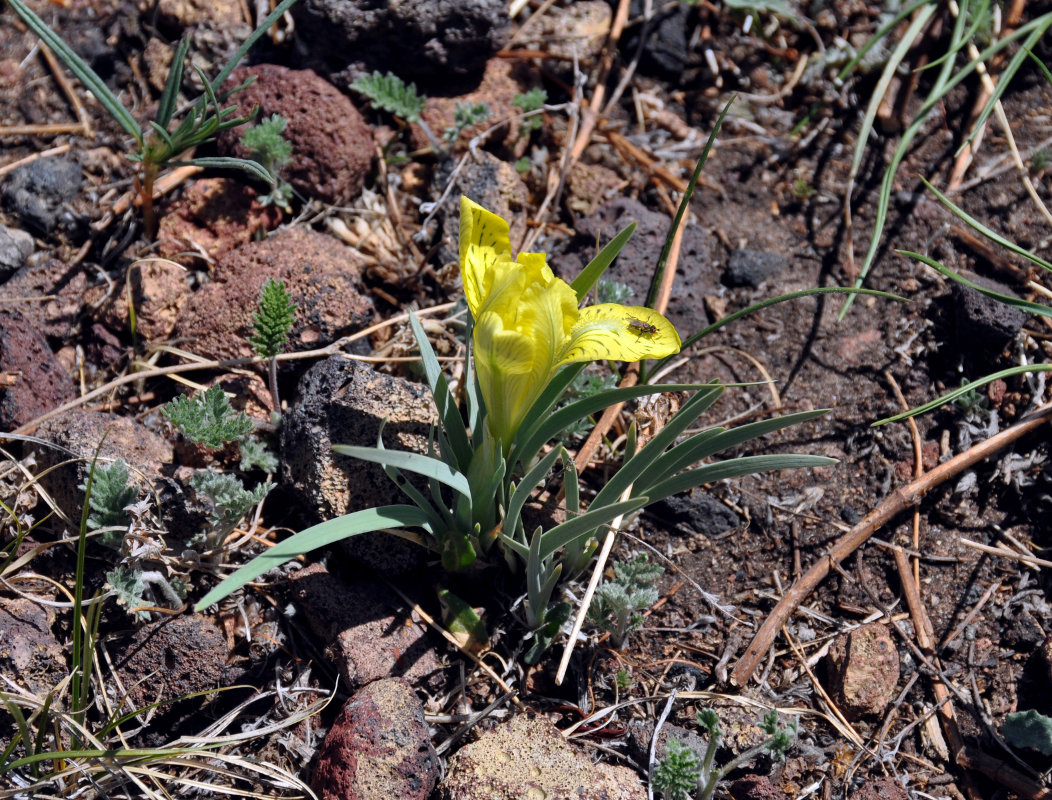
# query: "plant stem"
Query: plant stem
{"points": [[150, 171], [274, 385]]}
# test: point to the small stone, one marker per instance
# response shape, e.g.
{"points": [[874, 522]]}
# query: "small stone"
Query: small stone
{"points": [[982, 319], [665, 51], [577, 31], [15, 247], [882, 789], [342, 402], [37, 193], [323, 277], [698, 511], [42, 382], [864, 670], [748, 267], [332, 146], [755, 787], [177, 657], [415, 39], [378, 748], [159, 292], [30, 655], [525, 758], [360, 634]]}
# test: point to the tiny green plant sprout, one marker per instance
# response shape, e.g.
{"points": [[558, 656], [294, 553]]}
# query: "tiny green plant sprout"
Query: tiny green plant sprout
{"points": [[272, 150], [271, 327], [530, 337], [681, 774], [173, 133]]}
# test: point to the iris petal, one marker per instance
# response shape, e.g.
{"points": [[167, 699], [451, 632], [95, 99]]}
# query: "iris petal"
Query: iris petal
{"points": [[619, 333]]}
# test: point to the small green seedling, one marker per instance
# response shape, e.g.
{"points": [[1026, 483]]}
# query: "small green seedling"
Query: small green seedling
{"points": [[390, 93], [268, 146], [464, 116], [530, 102], [618, 603], [271, 327], [166, 138]]}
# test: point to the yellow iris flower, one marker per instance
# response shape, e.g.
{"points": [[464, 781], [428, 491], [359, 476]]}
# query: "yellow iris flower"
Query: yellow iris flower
{"points": [[528, 325]]}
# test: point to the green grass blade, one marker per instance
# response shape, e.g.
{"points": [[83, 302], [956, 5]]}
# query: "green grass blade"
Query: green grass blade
{"points": [[166, 105], [429, 467], [702, 446], [454, 432], [965, 388], [584, 282], [242, 51], [684, 203], [883, 31], [567, 532], [990, 234], [1007, 299], [223, 162], [78, 67], [325, 533], [531, 479], [733, 468], [1007, 74], [526, 449]]}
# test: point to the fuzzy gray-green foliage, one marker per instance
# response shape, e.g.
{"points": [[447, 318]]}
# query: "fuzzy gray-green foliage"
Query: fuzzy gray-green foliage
{"points": [[229, 498], [255, 455], [617, 603], [110, 494], [677, 773], [207, 418], [464, 116]]}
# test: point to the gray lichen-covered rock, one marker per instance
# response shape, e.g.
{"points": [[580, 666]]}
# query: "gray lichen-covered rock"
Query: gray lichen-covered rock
{"points": [[378, 748], [15, 247], [415, 39], [343, 402], [527, 757], [332, 146]]}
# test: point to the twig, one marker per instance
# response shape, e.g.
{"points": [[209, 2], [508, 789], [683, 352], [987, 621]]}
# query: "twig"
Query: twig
{"points": [[53, 151], [894, 504], [67, 89], [329, 350], [918, 469]]}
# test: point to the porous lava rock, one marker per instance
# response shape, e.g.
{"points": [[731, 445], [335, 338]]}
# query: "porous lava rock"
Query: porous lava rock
{"points": [[53, 293], [332, 146], [430, 40], [322, 275], [527, 757], [166, 660], [378, 748], [211, 218], [78, 436], [360, 632], [38, 382], [864, 670], [342, 402], [30, 655]]}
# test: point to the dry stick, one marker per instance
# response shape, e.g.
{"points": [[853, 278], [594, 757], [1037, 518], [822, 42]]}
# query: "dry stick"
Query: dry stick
{"points": [[590, 115], [67, 89], [894, 504], [926, 641], [54, 151], [330, 350], [1002, 773], [918, 470], [584, 455]]}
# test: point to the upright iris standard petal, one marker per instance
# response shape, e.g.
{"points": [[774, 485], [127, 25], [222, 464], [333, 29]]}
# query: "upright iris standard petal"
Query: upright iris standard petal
{"points": [[527, 323]]}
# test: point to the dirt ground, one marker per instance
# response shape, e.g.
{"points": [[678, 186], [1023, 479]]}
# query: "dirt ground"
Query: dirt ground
{"points": [[770, 204]]}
